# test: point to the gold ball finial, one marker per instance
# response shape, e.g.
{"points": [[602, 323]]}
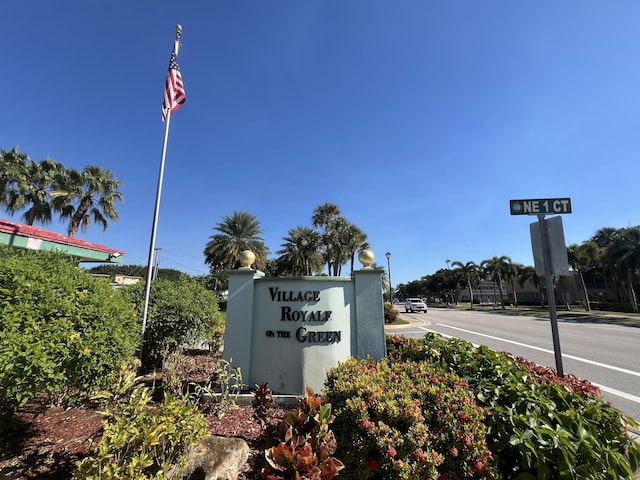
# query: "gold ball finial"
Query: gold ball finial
{"points": [[366, 257], [247, 258]]}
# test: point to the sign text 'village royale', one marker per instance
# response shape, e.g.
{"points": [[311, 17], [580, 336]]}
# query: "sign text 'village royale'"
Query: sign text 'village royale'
{"points": [[290, 313]]}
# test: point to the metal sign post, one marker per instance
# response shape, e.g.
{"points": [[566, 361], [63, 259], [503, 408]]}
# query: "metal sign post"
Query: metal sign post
{"points": [[540, 207], [551, 296]]}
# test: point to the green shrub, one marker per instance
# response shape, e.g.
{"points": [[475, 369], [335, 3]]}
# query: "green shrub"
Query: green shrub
{"points": [[61, 330], [537, 428], [141, 441], [406, 421], [390, 313], [180, 312]]}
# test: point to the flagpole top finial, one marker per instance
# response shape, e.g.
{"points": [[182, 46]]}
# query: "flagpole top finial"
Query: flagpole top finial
{"points": [[178, 30]]}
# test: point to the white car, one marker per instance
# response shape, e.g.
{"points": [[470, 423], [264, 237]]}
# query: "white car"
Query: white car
{"points": [[415, 305]]}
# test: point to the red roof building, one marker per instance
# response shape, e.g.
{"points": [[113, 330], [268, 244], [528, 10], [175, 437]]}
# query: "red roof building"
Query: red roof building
{"points": [[19, 235]]}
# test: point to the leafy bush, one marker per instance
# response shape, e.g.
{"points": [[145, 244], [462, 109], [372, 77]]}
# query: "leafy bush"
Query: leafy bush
{"points": [[537, 428], [390, 313], [61, 330], [180, 312], [307, 446], [140, 441], [407, 421]]}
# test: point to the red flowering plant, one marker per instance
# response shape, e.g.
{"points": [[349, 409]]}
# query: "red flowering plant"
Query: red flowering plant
{"points": [[406, 421], [539, 426]]}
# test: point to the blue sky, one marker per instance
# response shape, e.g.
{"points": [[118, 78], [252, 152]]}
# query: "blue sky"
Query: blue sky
{"points": [[419, 119]]}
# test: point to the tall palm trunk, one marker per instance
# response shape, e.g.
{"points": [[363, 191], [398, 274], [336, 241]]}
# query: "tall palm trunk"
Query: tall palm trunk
{"points": [[494, 294], [515, 295], [632, 294], [470, 292], [584, 292], [76, 220], [501, 296]]}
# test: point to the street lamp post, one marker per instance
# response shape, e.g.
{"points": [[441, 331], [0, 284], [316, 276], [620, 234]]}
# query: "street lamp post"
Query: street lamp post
{"points": [[388, 255]]}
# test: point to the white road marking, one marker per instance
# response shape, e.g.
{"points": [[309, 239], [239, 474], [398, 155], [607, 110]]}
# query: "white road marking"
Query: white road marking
{"points": [[564, 355], [617, 393], [604, 388]]}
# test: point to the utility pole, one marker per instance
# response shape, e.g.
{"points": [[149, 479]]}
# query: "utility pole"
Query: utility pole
{"points": [[156, 264], [388, 255]]}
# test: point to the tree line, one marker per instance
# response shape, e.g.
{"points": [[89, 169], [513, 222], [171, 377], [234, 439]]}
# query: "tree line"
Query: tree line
{"points": [[611, 255], [39, 190], [331, 241]]}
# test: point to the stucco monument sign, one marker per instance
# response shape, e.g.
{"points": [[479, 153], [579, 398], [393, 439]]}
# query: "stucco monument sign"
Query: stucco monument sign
{"points": [[288, 331]]}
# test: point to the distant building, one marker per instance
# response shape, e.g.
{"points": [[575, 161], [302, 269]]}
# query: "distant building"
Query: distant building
{"points": [[125, 279], [117, 280], [568, 290], [485, 292]]}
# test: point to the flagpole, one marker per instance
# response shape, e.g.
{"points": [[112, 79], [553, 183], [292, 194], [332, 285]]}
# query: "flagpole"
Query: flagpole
{"points": [[154, 226]]}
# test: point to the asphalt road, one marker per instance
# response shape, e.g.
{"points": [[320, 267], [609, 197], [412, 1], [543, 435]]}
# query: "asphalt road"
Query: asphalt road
{"points": [[605, 354]]}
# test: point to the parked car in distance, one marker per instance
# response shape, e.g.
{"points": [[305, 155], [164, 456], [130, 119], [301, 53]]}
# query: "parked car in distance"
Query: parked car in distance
{"points": [[415, 305]]}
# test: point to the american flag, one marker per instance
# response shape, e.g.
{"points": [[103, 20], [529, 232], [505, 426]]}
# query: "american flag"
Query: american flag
{"points": [[174, 95]]}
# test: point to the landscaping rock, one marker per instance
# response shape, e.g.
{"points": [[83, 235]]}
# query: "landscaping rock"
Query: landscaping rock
{"points": [[216, 458]]}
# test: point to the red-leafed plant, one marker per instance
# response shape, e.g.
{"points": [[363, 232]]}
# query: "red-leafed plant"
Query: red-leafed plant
{"points": [[546, 375], [263, 403], [307, 444]]}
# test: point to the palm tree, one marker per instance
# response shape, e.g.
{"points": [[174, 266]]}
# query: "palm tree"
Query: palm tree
{"points": [[511, 273], [32, 189], [623, 257], [341, 239], [356, 242], [325, 217], [529, 273], [496, 268], [347, 241], [271, 268], [579, 259], [470, 273], [83, 196], [300, 254], [237, 232], [13, 168]]}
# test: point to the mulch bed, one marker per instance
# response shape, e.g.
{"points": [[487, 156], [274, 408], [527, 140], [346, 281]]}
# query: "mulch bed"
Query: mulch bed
{"points": [[50, 442]]}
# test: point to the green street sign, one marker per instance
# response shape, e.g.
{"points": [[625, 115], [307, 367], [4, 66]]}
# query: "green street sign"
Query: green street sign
{"points": [[540, 206]]}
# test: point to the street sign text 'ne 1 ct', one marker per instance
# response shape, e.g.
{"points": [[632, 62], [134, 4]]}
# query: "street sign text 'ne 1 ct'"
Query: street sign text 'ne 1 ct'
{"points": [[540, 206]]}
